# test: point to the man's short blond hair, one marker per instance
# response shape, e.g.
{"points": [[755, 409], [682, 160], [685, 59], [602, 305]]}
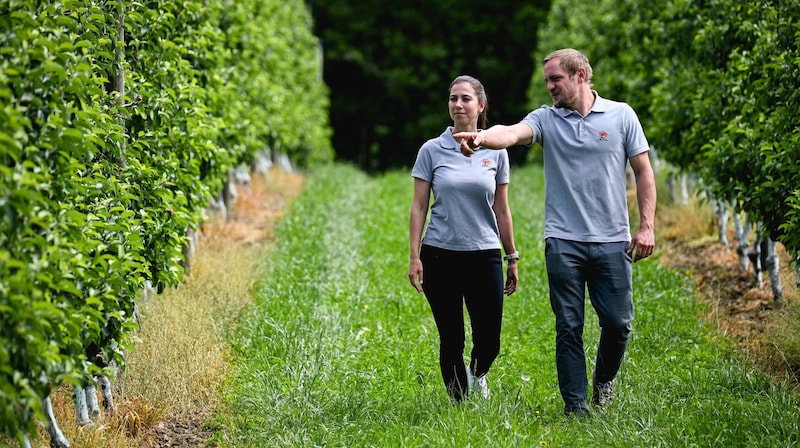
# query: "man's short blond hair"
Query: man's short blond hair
{"points": [[571, 60]]}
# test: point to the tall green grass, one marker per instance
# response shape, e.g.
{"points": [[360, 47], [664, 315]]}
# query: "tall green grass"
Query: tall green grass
{"points": [[339, 350]]}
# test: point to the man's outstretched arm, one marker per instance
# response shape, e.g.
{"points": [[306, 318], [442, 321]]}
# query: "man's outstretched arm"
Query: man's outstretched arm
{"points": [[496, 137]]}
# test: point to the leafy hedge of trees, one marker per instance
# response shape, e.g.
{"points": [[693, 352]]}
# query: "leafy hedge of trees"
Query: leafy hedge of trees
{"points": [[389, 66], [715, 84], [119, 121]]}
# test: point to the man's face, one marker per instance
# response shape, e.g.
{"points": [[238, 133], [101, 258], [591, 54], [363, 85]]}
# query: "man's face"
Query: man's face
{"points": [[562, 87]]}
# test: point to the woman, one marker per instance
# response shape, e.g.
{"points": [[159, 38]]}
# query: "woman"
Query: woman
{"points": [[459, 260]]}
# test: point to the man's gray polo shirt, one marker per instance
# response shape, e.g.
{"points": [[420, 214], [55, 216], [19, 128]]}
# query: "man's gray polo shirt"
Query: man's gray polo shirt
{"points": [[585, 159]]}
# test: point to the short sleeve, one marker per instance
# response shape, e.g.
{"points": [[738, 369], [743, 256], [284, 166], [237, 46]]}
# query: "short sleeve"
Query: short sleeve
{"points": [[503, 175], [636, 142], [423, 166]]}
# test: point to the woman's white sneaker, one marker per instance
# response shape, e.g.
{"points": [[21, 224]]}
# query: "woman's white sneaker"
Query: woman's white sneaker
{"points": [[478, 385]]}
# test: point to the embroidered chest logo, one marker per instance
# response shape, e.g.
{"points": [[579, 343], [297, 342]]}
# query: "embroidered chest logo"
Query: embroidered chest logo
{"points": [[603, 136], [486, 163]]}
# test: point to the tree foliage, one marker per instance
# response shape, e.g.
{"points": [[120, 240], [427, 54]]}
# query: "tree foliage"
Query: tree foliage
{"points": [[389, 66], [715, 85], [118, 122]]}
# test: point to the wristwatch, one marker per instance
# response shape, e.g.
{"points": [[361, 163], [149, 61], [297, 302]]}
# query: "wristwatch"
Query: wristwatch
{"points": [[513, 256]]}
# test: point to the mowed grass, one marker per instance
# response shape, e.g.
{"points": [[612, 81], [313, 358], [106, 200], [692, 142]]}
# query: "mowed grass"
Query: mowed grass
{"points": [[338, 350]]}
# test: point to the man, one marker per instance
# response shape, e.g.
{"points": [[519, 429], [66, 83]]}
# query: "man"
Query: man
{"points": [[588, 142]]}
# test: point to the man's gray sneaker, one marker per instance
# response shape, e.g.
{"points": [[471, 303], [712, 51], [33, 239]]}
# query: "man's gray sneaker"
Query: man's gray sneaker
{"points": [[603, 393]]}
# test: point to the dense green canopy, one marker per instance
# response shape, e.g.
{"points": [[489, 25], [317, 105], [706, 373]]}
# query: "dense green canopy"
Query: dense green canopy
{"points": [[716, 86], [389, 65]]}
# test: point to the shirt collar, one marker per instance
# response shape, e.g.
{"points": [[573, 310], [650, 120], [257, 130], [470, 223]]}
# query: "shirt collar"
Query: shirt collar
{"points": [[447, 141], [600, 105]]}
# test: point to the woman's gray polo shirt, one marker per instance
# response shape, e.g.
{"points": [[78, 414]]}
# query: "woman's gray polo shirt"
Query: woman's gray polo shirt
{"points": [[585, 159], [463, 189]]}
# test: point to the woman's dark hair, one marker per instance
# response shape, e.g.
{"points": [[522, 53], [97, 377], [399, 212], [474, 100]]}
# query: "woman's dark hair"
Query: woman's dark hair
{"points": [[483, 118]]}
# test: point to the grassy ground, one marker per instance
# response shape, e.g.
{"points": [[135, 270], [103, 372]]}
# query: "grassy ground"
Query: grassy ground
{"points": [[319, 340], [338, 350]]}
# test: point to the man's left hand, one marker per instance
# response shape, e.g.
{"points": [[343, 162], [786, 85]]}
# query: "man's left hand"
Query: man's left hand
{"points": [[642, 244]]}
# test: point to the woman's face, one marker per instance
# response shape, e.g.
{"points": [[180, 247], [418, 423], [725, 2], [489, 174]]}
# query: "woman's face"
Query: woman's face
{"points": [[464, 106]]}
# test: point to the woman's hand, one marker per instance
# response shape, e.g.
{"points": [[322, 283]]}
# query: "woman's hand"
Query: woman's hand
{"points": [[512, 278], [415, 274]]}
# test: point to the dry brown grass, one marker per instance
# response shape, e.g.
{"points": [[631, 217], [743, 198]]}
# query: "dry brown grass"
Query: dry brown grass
{"points": [[764, 329], [171, 384]]}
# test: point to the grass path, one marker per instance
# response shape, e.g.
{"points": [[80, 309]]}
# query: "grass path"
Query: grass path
{"points": [[338, 350]]}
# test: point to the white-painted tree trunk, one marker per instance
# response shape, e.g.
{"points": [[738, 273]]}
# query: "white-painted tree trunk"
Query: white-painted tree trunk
{"points": [[763, 257], [57, 439], [721, 210], [108, 396]]}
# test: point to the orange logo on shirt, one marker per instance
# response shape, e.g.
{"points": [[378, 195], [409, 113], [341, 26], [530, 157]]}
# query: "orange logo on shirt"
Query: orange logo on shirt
{"points": [[486, 163], [603, 135]]}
